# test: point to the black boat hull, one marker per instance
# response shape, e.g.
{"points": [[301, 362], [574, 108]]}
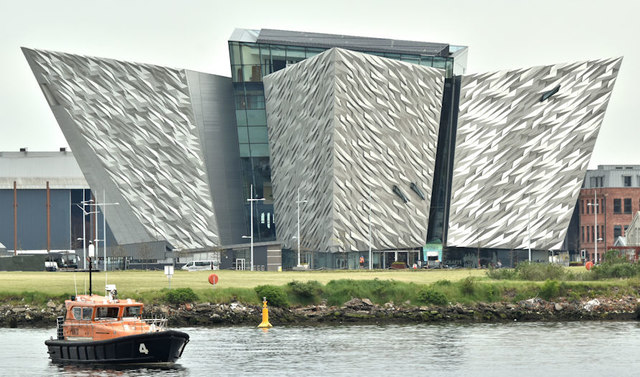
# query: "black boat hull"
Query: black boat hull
{"points": [[150, 348]]}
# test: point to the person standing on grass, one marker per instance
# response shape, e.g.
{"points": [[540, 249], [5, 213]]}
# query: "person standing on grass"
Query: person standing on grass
{"points": [[362, 261]]}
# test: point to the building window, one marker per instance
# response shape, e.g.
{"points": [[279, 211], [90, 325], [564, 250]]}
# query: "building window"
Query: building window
{"points": [[617, 205], [617, 231], [597, 181], [601, 233], [627, 180], [625, 230], [627, 205], [582, 233], [582, 207]]}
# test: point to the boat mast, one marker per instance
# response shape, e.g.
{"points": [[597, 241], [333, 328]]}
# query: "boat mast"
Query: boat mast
{"points": [[91, 252]]}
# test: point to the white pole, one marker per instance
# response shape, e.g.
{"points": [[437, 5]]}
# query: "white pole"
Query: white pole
{"points": [[595, 206], [529, 225], [251, 203], [298, 202], [97, 240], [104, 230], [84, 233], [370, 256]]}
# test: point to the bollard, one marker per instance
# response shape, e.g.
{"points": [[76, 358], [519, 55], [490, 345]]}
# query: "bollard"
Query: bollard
{"points": [[265, 315]]}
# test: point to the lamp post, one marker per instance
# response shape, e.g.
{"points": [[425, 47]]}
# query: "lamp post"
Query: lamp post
{"points": [[529, 225], [251, 200], [298, 202], [369, 218], [104, 226], [595, 238], [84, 228]]}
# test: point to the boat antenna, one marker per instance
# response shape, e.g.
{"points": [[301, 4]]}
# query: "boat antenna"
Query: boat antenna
{"points": [[75, 283]]}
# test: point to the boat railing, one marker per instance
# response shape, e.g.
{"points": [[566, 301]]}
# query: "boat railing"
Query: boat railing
{"points": [[157, 324], [137, 324]]}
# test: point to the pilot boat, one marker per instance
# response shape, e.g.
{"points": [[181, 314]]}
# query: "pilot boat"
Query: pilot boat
{"points": [[107, 330]]}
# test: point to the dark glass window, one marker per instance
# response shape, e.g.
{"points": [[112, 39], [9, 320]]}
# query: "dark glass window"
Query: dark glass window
{"points": [[617, 231], [627, 180], [582, 233], [617, 205], [627, 205]]}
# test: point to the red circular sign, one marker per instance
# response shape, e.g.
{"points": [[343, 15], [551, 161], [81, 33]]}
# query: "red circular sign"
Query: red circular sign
{"points": [[588, 265], [213, 279]]}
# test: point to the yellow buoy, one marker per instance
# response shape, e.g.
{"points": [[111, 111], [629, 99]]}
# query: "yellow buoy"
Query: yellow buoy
{"points": [[265, 315]]}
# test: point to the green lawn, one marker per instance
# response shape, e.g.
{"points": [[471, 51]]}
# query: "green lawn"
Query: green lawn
{"points": [[129, 282]]}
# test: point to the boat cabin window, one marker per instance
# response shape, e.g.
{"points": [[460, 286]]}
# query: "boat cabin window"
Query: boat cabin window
{"points": [[82, 313], [104, 312], [132, 311]]}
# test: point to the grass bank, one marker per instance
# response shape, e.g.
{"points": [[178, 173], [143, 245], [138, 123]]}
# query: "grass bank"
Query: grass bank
{"points": [[284, 289]]}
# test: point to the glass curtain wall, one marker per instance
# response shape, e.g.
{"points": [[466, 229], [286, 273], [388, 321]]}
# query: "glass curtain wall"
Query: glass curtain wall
{"points": [[250, 62]]}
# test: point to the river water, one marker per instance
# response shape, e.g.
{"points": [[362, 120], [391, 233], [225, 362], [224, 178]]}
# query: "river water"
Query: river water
{"points": [[512, 349]]}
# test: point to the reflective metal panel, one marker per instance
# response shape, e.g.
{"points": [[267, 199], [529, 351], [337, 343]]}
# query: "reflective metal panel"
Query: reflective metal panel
{"points": [[352, 130], [522, 152], [137, 120]]}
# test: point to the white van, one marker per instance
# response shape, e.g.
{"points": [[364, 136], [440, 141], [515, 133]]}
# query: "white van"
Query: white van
{"points": [[199, 265]]}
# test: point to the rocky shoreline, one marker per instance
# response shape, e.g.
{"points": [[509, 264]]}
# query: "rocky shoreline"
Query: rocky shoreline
{"points": [[355, 311]]}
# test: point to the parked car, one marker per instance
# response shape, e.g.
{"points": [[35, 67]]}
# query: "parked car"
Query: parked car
{"points": [[199, 265]]}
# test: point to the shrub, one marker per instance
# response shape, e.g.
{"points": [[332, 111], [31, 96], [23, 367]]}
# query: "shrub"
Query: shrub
{"points": [[181, 296], [468, 286], [540, 271], [443, 283], [502, 274], [431, 296], [275, 295], [549, 289], [305, 292], [615, 265]]}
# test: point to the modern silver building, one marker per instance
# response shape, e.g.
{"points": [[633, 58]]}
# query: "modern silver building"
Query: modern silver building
{"points": [[158, 141], [341, 129], [356, 136], [382, 144]]}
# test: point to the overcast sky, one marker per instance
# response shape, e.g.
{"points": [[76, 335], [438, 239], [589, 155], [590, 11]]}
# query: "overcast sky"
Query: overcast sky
{"points": [[501, 34]]}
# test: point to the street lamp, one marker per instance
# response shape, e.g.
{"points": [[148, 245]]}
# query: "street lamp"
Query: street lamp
{"points": [[298, 202], [84, 230], [104, 226], [596, 239], [369, 217], [251, 200], [529, 224]]}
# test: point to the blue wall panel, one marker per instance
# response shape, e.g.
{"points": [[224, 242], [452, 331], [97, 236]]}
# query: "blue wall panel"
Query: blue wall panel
{"points": [[60, 219], [6, 218], [32, 219]]}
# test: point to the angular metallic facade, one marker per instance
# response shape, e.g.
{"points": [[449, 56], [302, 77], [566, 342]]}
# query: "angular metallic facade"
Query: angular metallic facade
{"points": [[351, 130], [140, 135], [520, 158]]}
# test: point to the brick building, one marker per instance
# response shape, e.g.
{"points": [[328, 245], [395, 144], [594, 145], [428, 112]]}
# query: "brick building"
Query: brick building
{"points": [[610, 195]]}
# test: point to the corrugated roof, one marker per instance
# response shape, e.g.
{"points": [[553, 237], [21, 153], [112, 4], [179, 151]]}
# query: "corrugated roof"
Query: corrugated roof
{"points": [[32, 170], [305, 39]]}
